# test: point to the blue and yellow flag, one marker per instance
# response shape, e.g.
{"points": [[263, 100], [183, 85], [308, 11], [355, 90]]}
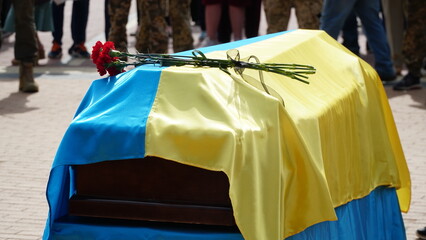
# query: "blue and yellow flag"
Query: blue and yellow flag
{"points": [[291, 159]]}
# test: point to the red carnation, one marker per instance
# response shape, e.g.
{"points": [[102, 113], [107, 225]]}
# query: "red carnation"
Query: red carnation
{"points": [[114, 71], [101, 56], [107, 47], [96, 51], [101, 69]]}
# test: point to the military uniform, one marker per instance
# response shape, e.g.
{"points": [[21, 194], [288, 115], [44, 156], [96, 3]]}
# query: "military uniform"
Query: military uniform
{"points": [[278, 14], [153, 35], [118, 11], [180, 17], [414, 47], [25, 44]]}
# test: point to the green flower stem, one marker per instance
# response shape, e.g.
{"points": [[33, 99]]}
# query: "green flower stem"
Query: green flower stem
{"points": [[295, 71]]}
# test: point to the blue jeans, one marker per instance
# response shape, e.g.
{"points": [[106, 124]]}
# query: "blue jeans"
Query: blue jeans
{"points": [[80, 15], [350, 34], [334, 15]]}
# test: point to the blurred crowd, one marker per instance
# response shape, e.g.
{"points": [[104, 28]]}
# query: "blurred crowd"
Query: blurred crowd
{"points": [[395, 29]]}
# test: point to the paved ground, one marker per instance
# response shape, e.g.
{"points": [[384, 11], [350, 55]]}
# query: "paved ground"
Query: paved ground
{"points": [[32, 125]]}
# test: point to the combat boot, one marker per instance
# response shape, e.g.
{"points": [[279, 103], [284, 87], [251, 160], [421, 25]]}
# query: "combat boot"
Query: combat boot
{"points": [[26, 78]]}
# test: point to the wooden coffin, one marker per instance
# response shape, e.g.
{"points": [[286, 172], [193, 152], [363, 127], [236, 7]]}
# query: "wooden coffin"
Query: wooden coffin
{"points": [[151, 189]]}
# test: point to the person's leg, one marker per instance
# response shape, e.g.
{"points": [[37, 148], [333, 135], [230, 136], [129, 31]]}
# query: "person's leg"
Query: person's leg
{"points": [[394, 22], [308, 13], [40, 52], [153, 37], [4, 9], [277, 14], [138, 11], [333, 15], [224, 30], [107, 19], [237, 16], [57, 33], [119, 12], [142, 42], [202, 19], [25, 43], [181, 27], [252, 19], [58, 22], [350, 33], [368, 12], [213, 14], [79, 17], [414, 49]]}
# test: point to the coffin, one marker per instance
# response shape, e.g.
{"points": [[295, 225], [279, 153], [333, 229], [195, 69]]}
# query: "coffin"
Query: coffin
{"points": [[151, 189], [291, 161]]}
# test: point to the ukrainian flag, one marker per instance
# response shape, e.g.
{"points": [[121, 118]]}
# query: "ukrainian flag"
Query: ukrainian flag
{"points": [[291, 158]]}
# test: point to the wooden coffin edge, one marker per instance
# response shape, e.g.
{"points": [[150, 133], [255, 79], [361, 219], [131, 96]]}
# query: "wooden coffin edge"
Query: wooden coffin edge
{"points": [[152, 211]]}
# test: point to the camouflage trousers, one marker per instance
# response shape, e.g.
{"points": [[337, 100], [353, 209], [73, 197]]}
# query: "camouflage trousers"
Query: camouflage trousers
{"points": [[414, 48], [118, 11], [25, 33], [278, 14], [153, 34], [180, 17]]}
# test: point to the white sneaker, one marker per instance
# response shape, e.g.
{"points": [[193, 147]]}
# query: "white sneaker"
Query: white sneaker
{"points": [[202, 36], [208, 42]]}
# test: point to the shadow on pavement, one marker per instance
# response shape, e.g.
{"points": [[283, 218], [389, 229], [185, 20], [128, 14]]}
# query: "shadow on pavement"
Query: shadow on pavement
{"points": [[15, 103], [417, 95]]}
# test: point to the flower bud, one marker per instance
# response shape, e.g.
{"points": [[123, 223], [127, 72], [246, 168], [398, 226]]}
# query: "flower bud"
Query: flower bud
{"points": [[115, 53]]}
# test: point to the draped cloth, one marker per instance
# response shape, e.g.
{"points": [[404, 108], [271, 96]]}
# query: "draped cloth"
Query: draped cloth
{"points": [[289, 165]]}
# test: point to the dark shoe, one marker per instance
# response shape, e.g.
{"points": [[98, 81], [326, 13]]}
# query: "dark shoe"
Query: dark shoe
{"points": [[56, 51], [79, 51], [387, 77], [421, 233], [15, 62], [40, 54], [408, 82]]}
